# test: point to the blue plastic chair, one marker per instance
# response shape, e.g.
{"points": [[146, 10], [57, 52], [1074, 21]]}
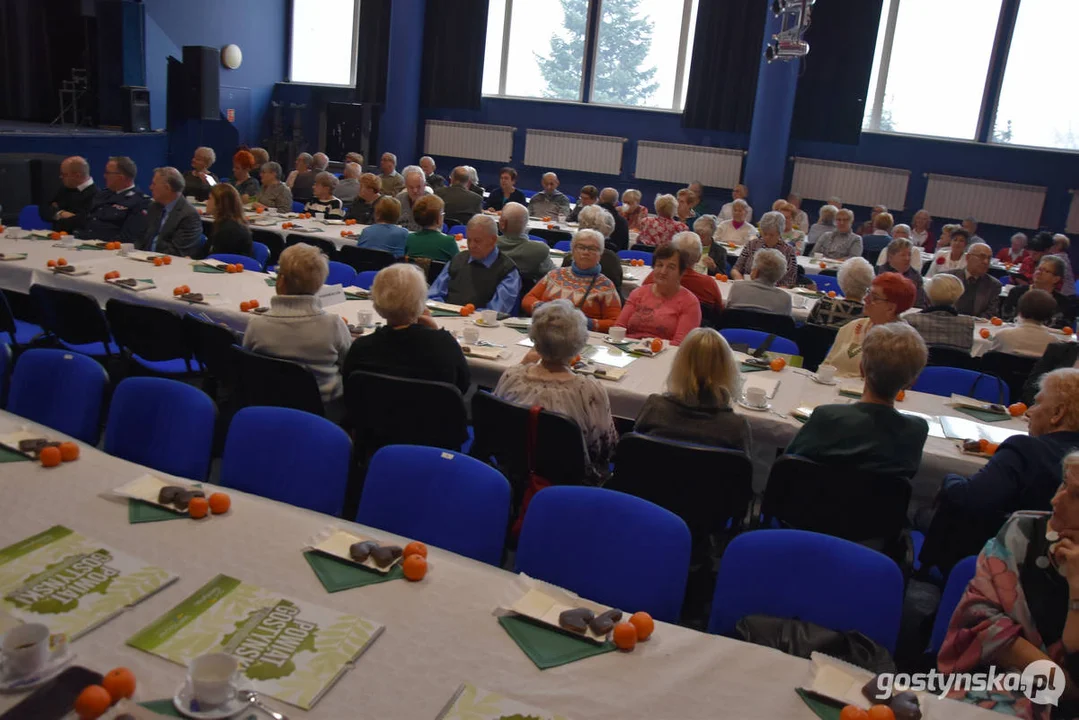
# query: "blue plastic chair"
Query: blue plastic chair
{"points": [[636, 255], [261, 252], [958, 579], [458, 229], [563, 245], [163, 424], [29, 219], [568, 530], [5, 371], [754, 338], [274, 452], [63, 390], [443, 498], [366, 279], [249, 263], [809, 576], [941, 380], [20, 332], [297, 206], [826, 283], [341, 274]]}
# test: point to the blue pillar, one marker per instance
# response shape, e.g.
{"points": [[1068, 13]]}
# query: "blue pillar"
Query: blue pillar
{"points": [[769, 136], [399, 129]]}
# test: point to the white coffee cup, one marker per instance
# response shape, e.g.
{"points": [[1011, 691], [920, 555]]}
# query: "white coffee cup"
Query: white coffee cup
{"points": [[826, 373], [472, 334], [489, 317], [756, 397], [126, 248], [69, 241], [617, 333], [363, 318], [25, 649], [213, 678]]}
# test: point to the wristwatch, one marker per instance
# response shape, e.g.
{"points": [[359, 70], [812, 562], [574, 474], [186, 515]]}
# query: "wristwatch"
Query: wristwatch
{"points": [[1073, 605]]}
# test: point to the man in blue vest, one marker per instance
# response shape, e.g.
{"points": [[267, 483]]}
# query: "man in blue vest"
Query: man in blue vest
{"points": [[483, 276]]}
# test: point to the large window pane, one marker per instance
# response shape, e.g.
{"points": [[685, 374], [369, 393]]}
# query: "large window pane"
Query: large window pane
{"points": [[938, 64], [1035, 107], [546, 49], [492, 51], [323, 42]]}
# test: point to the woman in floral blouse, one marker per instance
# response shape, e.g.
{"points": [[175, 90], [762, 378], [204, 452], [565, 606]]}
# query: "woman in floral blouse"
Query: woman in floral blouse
{"points": [[658, 229]]}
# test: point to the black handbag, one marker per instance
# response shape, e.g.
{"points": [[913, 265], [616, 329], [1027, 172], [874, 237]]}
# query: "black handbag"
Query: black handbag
{"points": [[799, 638]]}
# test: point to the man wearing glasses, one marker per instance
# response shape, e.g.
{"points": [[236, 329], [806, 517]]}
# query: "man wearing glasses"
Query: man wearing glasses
{"points": [[981, 291], [119, 211]]}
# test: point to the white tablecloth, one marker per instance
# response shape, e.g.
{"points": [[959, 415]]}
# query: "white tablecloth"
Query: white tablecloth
{"points": [[439, 632]]}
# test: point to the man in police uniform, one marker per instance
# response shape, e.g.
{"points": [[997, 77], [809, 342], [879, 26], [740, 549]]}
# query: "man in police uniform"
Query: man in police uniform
{"points": [[118, 213]]}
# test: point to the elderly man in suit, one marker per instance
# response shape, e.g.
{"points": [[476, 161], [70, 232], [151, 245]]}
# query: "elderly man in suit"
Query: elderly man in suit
{"points": [[461, 203], [72, 202], [981, 291], [172, 225]]}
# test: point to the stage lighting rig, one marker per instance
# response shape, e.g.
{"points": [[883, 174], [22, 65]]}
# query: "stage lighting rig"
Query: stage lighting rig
{"points": [[788, 43]]}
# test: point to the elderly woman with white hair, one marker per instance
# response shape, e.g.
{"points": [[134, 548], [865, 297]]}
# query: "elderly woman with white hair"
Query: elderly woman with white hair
{"points": [[920, 233], [325, 204], [545, 377], [632, 210], [855, 276], [702, 286], [825, 224], [349, 187], [273, 194], [199, 179], [657, 230], [899, 257], [1017, 248], [302, 178], [296, 327], [737, 230], [871, 435], [602, 221], [415, 190], [1061, 243], [410, 344], [739, 192], [940, 324], [759, 293], [582, 283], [771, 227], [713, 255]]}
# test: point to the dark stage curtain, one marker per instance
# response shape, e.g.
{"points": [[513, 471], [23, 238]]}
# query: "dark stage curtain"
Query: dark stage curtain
{"points": [[831, 99], [373, 55], [726, 59], [454, 39]]}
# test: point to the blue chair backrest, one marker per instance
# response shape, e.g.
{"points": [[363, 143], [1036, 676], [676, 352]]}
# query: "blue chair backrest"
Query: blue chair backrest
{"points": [[5, 371], [261, 252], [809, 576], [563, 245], [962, 573], [270, 451], [537, 238], [566, 525], [942, 380], [636, 255], [439, 497], [29, 219], [458, 229], [297, 206], [754, 338], [249, 263], [366, 279], [826, 283], [341, 274], [60, 389], [164, 424]]}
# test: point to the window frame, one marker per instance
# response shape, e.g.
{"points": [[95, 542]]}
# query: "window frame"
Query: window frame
{"points": [[354, 56]]}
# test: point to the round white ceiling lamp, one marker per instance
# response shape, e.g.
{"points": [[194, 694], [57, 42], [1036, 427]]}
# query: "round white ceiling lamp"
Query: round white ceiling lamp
{"points": [[231, 56]]}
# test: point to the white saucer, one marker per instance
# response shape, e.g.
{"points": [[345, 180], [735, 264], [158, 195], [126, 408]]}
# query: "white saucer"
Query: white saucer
{"points": [[52, 667], [817, 380], [481, 323], [182, 702], [762, 408]]}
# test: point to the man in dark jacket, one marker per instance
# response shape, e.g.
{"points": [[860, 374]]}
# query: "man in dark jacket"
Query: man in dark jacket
{"points": [[173, 227], [72, 202], [619, 239], [119, 211]]}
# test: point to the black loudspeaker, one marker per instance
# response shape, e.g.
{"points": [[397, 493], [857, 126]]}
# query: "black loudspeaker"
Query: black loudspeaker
{"points": [[202, 83], [351, 127], [136, 109], [120, 57]]}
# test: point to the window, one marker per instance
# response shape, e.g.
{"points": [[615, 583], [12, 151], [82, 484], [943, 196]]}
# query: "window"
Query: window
{"points": [[543, 53], [930, 67], [1035, 107], [323, 42]]}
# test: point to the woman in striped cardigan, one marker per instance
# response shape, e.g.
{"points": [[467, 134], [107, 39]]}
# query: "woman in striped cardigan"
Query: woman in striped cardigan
{"points": [[581, 283]]}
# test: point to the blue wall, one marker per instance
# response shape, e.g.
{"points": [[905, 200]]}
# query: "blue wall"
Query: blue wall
{"points": [[148, 150]]}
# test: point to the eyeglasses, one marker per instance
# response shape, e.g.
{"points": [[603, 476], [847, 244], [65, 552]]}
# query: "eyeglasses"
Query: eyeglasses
{"points": [[587, 248], [870, 297]]}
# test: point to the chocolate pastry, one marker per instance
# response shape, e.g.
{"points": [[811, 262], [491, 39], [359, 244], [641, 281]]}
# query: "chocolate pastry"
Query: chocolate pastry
{"points": [[182, 499], [576, 620], [972, 446], [192, 297], [65, 269], [168, 494], [873, 691], [130, 282], [604, 622], [385, 555], [994, 407], [196, 493], [32, 445], [905, 706], [360, 551]]}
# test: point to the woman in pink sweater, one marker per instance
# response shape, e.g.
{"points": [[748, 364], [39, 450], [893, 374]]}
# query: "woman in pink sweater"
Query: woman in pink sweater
{"points": [[664, 309]]}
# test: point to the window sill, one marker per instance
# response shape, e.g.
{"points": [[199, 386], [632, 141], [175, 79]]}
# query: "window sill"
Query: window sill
{"points": [[579, 103]]}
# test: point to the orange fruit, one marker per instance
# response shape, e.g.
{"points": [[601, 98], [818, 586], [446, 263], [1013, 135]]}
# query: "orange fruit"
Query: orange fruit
{"points": [[60, 262], [199, 507], [92, 702], [229, 269], [625, 636], [880, 712], [1067, 331], [50, 263], [167, 259], [178, 290], [823, 265], [119, 683], [54, 236], [850, 712], [187, 288], [112, 274], [644, 624], [459, 236], [69, 451], [722, 278], [984, 333], [991, 448], [983, 444], [239, 267], [414, 567], [1017, 409], [777, 365], [245, 306], [656, 345], [253, 303], [831, 293], [220, 503], [901, 396], [50, 456], [997, 321], [415, 548], [158, 261]]}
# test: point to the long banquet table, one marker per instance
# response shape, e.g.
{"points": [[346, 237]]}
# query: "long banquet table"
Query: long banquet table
{"points": [[439, 632], [771, 430]]}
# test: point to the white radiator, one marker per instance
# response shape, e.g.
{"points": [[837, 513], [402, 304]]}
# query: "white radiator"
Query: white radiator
{"points": [[471, 141], [1073, 214], [864, 185], [996, 203], [574, 151], [714, 167]]}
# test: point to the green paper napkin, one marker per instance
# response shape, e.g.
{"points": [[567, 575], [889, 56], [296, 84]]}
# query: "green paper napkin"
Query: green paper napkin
{"points": [[206, 269], [142, 512], [272, 282], [8, 455], [547, 647], [336, 575], [86, 246], [824, 709], [161, 707], [752, 368], [435, 312], [984, 415]]}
